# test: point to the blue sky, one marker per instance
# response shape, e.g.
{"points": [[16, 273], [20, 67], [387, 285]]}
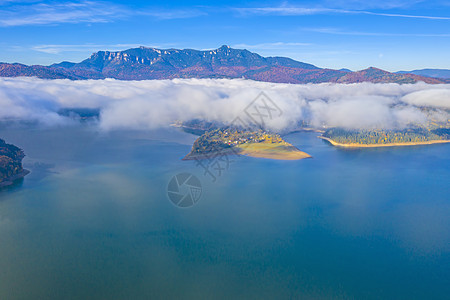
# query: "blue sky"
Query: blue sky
{"points": [[392, 35]]}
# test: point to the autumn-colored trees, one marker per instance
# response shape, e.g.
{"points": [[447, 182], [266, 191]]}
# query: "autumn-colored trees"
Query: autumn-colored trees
{"points": [[379, 136], [10, 160]]}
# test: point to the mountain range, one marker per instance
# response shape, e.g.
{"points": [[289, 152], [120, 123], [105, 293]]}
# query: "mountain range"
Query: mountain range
{"points": [[436, 73], [225, 62]]}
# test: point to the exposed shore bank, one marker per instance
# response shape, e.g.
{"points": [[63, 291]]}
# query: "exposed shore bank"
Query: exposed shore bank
{"points": [[10, 180], [354, 145]]}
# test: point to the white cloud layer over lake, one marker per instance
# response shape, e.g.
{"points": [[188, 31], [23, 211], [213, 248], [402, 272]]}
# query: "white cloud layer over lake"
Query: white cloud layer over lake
{"points": [[157, 103]]}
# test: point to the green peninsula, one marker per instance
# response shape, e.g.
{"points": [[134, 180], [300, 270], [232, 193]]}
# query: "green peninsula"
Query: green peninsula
{"points": [[386, 138], [256, 143]]}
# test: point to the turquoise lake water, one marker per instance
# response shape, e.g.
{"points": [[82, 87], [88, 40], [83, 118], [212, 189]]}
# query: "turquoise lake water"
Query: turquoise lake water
{"points": [[93, 221]]}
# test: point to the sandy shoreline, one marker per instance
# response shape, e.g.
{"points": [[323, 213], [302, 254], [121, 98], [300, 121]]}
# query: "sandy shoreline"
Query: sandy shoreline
{"points": [[273, 151], [212, 154], [382, 145], [284, 151]]}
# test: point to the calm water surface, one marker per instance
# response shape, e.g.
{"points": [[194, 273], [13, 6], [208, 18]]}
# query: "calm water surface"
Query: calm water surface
{"points": [[93, 221]]}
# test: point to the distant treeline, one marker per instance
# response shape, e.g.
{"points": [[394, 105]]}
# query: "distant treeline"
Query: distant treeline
{"points": [[378, 136]]}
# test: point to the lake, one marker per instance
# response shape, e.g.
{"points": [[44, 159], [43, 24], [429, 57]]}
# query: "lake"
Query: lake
{"points": [[93, 221]]}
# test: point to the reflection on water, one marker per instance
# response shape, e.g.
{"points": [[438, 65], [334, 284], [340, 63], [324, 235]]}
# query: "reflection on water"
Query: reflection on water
{"points": [[40, 170], [93, 221], [16, 184]]}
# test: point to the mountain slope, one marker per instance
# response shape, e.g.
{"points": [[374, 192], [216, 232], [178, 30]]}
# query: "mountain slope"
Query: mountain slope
{"points": [[150, 63], [17, 70], [436, 73], [378, 76]]}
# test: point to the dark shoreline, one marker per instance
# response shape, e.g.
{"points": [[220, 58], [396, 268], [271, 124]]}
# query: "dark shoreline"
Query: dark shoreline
{"points": [[10, 180], [212, 154]]}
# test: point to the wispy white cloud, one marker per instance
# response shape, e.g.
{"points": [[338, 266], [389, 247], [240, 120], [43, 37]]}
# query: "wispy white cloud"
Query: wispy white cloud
{"points": [[288, 10], [23, 14], [172, 14], [302, 11], [5, 2], [403, 15], [269, 46], [338, 31], [63, 12], [364, 4], [57, 49]]}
